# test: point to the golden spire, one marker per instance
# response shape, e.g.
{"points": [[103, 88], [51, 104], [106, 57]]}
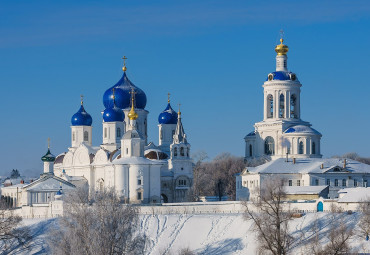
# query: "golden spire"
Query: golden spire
{"points": [[168, 95], [48, 142], [281, 49], [179, 112], [82, 99], [132, 114], [124, 68]]}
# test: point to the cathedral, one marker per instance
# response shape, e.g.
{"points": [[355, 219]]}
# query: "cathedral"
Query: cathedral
{"points": [[139, 171], [282, 131]]}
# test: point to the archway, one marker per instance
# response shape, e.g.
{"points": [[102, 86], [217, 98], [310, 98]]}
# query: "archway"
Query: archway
{"points": [[164, 198], [320, 207]]}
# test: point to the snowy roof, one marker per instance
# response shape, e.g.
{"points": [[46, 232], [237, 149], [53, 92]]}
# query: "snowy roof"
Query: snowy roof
{"points": [[137, 161], [304, 189], [354, 195], [48, 182], [310, 165], [301, 129]]}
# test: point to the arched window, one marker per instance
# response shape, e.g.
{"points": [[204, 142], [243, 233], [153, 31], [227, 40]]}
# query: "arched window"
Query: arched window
{"points": [[293, 107], [313, 148], [187, 152], [126, 150], [281, 106], [270, 105], [300, 147], [269, 146], [344, 182], [250, 150], [86, 136], [73, 136], [118, 132], [182, 151], [161, 134], [175, 152], [105, 132]]}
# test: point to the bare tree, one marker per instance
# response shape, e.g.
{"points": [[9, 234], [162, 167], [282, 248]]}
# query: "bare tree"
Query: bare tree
{"points": [[364, 222], [97, 225], [12, 234], [270, 219]]}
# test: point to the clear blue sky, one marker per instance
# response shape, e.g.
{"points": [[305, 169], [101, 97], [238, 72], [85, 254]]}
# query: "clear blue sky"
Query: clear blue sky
{"points": [[213, 56]]}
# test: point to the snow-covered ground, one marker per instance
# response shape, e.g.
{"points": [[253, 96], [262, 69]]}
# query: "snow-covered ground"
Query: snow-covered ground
{"points": [[208, 233]]}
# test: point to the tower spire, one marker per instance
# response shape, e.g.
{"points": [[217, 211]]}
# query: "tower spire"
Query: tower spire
{"points": [[124, 68], [82, 99], [168, 95], [48, 143], [132, 114], [179, 136], [281, 57]]}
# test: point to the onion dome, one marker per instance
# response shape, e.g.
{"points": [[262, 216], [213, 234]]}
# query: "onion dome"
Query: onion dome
{"points": [[282, 76], [281, 49], [168, 116], [114, 113], [122, 94], [48, 157], [81, 118]]}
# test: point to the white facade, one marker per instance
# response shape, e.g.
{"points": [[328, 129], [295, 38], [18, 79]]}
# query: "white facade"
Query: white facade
{"points": [[282, 130], [138, 171]]}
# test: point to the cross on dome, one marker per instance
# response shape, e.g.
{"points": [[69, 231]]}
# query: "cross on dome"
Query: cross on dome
{"points": [[124, 68]]}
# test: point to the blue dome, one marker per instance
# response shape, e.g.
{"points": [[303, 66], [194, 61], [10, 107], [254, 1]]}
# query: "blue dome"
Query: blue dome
{"points": [[81, 118], [282, 76], [113, 114], [168, 116], [122, 95]]}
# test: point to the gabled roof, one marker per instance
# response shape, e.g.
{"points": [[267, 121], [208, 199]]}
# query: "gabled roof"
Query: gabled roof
{"points": [[310, 165], [48, 182]]}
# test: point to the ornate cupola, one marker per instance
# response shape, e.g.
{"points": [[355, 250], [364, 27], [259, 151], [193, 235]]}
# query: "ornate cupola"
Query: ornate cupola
{"points": [[167, 125], [122, 100], [48, 160], [113, 126], [81, 126]]}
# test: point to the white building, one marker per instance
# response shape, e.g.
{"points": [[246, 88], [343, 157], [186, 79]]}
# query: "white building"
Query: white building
{"points": [[282, 130], [291, 143], [139, 172]]}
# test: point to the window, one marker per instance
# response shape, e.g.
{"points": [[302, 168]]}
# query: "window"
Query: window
{"points": [[138, 181], [270, 104], [269, 146], [313, 148], [161, 134], [175, 152], [281, 106], [182, 182], [86, 136], [73, 136], [298, 182], [139, 195], [317, 182], [355, 182], [328, 182], [126, 150], [118, 132], [300, 147], [105, 133], [365, 183], [182, 151], [250, 150], [344, 182], [293, 107], [290, 183], [336, 182]]}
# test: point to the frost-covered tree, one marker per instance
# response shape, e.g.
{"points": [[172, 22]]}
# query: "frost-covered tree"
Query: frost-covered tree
{"points": [[270, 219], [97, 225]]}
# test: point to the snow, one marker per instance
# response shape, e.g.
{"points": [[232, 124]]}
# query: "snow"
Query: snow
{"points": [[309, 165], [354, 195], [207, 233]]}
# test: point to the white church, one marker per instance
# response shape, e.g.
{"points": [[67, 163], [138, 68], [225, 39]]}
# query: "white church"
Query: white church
{"points": [[138, 171], [291, 144]]}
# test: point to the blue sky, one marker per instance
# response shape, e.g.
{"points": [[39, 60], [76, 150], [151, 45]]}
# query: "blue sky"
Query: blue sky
{"points": [[212, 56]]}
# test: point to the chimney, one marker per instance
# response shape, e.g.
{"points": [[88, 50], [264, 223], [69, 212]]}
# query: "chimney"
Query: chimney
{"points": [[322, 166], [293, 160], [345, 163]]}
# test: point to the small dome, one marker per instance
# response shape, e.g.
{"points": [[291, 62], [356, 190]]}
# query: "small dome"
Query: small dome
{"points": [[281, 76], [302, 130], [48, 157], [168, 116], [155, 154], [81, 118], [281, 49], [113, 114], [122, 95]]}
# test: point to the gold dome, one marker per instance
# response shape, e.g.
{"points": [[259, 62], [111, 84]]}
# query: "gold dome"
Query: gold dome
{"points": [[281, 49], [132, 114]]}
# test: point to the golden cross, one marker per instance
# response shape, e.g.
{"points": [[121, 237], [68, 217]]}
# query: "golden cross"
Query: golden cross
{"points": [[124, 60], [179, 108], [132, 92], [48, 142], [168, 95], [82, 99]]}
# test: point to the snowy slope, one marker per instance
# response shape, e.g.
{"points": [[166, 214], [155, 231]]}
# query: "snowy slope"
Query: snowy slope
{"points": [[208, 233]]}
